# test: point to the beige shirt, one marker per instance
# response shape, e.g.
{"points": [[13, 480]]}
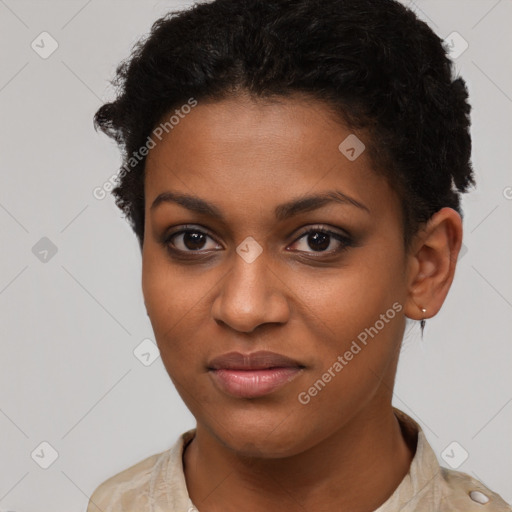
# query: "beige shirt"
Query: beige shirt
{"points": [[157, 484]]}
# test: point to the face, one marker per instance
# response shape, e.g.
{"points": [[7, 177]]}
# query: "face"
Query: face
{"points": [[236, 259]]}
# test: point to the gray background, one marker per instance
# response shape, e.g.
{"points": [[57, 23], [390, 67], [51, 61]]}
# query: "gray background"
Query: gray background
{"points": [[70, 321]]}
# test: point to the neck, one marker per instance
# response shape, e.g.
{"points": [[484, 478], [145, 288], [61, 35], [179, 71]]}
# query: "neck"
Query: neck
{"points": [[357, 469]]}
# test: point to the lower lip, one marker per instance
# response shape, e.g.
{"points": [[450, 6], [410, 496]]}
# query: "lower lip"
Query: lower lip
{"points": [[253, 383]]}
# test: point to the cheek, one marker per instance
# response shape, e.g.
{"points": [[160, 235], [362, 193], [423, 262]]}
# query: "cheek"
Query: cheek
{"points": [[350, 298], [355, 314], [173, 302], [169, 290]]}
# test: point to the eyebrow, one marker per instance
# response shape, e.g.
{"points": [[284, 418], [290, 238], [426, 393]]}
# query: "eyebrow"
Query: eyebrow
{"points": [[282, 212]]}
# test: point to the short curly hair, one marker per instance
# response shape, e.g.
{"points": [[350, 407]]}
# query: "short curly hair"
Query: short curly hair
{"points": [[371, 62]]}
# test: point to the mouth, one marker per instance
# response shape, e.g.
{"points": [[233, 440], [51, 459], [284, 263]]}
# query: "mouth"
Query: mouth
{"points": [[252, 375]]}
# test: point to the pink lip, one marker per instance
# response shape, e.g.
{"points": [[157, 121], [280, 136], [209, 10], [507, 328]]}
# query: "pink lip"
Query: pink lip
{"points": [[252, 375]]}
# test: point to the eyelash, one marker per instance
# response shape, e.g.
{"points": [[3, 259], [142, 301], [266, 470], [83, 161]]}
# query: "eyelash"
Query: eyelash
{"points": [[345, 241]]}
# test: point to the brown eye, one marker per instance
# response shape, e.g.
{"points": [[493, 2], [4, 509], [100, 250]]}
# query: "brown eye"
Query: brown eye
{"points": [[321, 240], [318, 241], [189, 240]]}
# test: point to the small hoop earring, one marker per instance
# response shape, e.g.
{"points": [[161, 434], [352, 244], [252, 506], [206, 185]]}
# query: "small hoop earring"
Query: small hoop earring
{"points": [[423, 322]]}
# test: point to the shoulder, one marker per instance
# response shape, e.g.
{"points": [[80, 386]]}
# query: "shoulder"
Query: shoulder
{"points": [[465, 493], [156, 483], [128, 489]]}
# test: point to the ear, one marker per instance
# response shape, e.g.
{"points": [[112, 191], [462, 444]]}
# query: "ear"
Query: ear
{"points": [[431, 263]]}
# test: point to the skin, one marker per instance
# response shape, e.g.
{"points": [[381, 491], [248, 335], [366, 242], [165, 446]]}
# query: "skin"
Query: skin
{"points": [[344, 450]]}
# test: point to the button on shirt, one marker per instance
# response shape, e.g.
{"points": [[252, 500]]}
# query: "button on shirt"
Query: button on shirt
{"points": [[157, 484]]}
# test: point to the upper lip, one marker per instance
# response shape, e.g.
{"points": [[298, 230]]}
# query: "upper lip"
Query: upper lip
{"points": [[255, 361]]}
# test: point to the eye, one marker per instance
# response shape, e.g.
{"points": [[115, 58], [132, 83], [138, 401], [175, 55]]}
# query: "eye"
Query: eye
{"points": [[189, 240], [322, 240]]}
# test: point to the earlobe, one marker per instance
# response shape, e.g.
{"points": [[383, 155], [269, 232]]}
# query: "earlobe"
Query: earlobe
{"points": [[432, 264]]}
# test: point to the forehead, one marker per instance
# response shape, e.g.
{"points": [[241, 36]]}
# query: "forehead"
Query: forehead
{"points": [[252, 154]]}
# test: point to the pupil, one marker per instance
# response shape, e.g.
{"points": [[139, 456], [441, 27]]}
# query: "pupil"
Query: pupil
{"points": [[192, 240], [318, 241]]}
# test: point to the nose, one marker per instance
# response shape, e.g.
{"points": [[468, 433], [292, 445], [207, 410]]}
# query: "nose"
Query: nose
{"points": [[251, 294]]}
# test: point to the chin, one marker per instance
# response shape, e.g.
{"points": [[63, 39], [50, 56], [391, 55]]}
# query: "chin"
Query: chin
{"points": [[263, 437]]}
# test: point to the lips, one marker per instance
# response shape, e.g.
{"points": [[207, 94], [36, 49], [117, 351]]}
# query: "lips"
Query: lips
{"points": [[252, 375], [256, 361]]}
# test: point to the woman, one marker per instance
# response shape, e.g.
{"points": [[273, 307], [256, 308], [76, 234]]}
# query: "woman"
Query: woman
{"points": [[292, 171]]}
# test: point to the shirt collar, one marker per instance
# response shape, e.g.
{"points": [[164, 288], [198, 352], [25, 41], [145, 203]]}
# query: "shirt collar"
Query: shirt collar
{"points": [[422, 478], [420, 486]]}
